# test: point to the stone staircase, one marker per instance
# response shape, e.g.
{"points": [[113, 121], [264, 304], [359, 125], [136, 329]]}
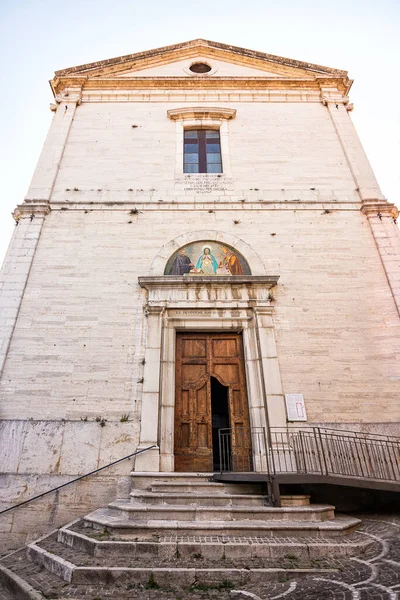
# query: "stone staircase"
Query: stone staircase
{"points": [[182, 529], [186, 527], [189, 505]]}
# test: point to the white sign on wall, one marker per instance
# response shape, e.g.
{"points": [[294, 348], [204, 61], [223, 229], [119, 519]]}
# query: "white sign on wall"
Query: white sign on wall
{"points": [[295, 407]]}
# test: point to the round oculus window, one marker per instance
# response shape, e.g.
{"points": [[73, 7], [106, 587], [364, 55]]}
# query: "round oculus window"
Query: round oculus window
{"points": [[200, 68]]}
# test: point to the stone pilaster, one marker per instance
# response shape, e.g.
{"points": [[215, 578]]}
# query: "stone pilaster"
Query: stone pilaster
{"points": [[45, 174], [16, 268], [382, 219], [270, 367], [149, 461], [381, 214], [359, 165]]}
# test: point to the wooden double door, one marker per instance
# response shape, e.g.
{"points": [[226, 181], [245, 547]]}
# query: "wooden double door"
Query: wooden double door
{"points": [[210, 395]]}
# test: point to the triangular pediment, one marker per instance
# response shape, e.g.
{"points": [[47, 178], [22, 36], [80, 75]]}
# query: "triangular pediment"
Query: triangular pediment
{"points": [[226, 62], [181, 68], [141, 61]]}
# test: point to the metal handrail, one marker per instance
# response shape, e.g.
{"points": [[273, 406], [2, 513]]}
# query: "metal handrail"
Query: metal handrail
{"points": [[306, 450], [331, 452], [356, 434], [75, 480]]}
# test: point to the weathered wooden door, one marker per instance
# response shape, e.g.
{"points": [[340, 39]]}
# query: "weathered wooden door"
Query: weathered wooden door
{"points": [[200, 356]]}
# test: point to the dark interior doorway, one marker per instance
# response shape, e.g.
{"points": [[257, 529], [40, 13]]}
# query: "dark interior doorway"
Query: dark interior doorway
{"points": [[220, 416]]}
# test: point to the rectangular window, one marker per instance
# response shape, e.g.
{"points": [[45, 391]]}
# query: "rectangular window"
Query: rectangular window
{"points": [[202, 151]]}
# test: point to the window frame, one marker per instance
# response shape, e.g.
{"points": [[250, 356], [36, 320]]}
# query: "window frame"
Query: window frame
{"points": [[202, 118], [201, 141]]}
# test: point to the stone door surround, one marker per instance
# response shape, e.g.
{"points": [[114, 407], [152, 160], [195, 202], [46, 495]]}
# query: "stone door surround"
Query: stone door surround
{"points": [[205, 303]]}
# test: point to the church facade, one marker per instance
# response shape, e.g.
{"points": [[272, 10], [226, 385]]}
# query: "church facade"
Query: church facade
{"points": [[203, 241]]}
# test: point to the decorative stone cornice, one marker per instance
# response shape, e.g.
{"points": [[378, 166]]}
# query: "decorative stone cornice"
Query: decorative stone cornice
{"points": [[151, 282], [280, 72], [215, 82], [198, 45], [379, 208], [218, 291], [31, 210], [334, 99], [202, 112]]}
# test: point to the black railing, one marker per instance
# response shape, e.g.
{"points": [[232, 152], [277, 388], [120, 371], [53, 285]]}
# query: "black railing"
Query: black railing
{"points": [[59, 487], [310, 450], [322, 451], [243, 449]]}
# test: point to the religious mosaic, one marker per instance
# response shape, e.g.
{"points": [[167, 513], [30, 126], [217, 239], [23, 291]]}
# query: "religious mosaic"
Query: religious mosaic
{"points": [[207, 258]]}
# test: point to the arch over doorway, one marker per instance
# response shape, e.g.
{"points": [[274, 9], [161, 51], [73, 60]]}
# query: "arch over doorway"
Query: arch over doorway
{"points": [[205, 257], [252, 259]]}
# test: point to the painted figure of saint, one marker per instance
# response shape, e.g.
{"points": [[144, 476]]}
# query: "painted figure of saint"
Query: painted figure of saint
{"points": [[207, 262], [230, 262], [182, 263]]}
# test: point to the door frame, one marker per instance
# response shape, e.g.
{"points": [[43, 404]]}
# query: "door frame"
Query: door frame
{"points": [[213, 364], [206, 305]]}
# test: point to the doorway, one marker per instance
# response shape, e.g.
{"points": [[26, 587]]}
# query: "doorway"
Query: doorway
{"points": [[210, 395], [220, 418]]}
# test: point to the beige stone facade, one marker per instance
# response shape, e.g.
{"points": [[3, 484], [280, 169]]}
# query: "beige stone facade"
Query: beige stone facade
{"points": [[88, 317]]}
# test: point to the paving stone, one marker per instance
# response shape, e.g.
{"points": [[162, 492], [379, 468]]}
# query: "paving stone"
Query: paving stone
{"points": [[5, 595]]}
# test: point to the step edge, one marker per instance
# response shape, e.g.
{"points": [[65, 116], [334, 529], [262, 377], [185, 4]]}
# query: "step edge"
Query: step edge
{"points": [[47, 559], [269, 542], [11, 580], [217, 525], [199, 570], [129, 507]]}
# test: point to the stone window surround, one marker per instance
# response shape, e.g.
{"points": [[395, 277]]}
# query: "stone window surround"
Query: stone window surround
{"points": [[202, 118], [186, 67], [215, 303]]}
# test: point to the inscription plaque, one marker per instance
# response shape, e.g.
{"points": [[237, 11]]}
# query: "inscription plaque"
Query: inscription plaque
{"points": [[295, 407], [204, 183]]}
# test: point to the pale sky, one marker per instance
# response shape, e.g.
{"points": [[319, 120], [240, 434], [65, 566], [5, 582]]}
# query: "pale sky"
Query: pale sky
{"points": [[38, 37]]}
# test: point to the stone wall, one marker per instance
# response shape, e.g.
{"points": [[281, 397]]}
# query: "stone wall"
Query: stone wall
{"points": [[38, 456], [284, 150], [78, 345]]}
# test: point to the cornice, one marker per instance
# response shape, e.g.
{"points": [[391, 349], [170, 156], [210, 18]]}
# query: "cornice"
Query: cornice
{"points": [[199, 44], [379, 208], [33, 209], [213, 83], [94, 74], [201, 113], [171, 281]]}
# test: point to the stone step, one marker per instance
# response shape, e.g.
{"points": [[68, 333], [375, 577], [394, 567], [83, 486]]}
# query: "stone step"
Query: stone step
{"points": [[138, 512], [67, 566], [145, 481], [295, 500], [217, 547], [120, 525], [205, 487], [193, 498]]}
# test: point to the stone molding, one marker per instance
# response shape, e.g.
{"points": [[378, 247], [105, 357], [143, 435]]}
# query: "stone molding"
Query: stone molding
{"points": [[184, 82], [201, 112], [36, 209], [378, 208], [206, 303], [150, 283], [288, 73], [194, 60], [182, 95], [334, 99], [198, 118], [194, 47]]}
